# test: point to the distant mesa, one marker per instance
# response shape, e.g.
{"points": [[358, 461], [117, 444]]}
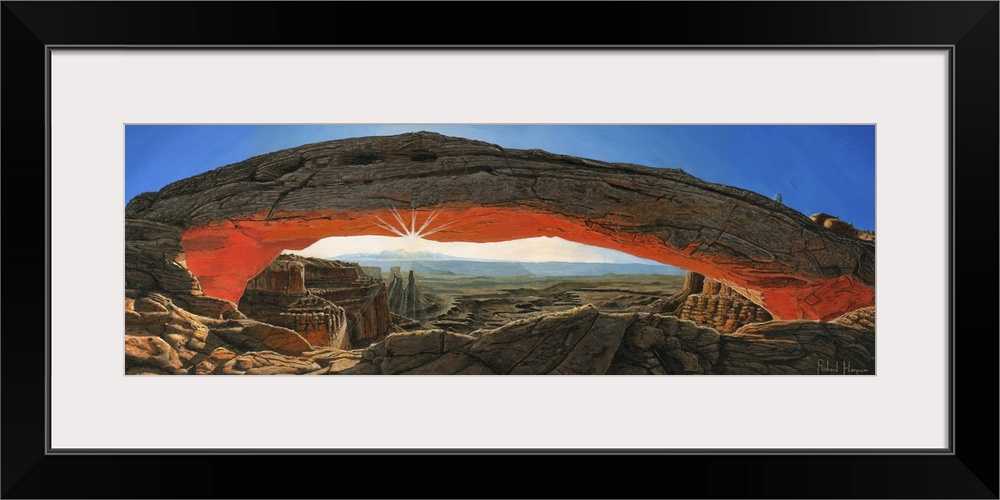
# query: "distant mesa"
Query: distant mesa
{"points": [[396, 255], [438, 263]]}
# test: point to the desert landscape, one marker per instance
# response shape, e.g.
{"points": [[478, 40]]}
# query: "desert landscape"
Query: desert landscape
{"points": [[475, 302], [721, 280]]}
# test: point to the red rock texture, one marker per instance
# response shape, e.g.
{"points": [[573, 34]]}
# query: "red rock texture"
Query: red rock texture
{"points": [[234, 220], [225, 255]]}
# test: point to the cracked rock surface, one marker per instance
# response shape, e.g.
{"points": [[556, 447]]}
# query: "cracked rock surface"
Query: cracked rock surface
{"points": [[164, 339], [775, 256]]}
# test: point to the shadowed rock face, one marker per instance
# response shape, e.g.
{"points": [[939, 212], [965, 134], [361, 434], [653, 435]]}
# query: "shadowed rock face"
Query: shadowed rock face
{"points": [[163, 339], [584, 341], [236, 219], [155, 262]]}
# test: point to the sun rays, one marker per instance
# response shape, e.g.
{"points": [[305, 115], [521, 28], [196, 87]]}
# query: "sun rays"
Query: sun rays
{"points": [[410, 230], [412, 235]]}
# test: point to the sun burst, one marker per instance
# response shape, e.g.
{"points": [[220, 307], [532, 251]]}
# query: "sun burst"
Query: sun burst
{"points": [[413, 235]]}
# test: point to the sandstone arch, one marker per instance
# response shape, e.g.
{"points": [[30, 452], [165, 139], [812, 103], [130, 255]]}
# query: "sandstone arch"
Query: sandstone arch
{"points": [[236, 219]]}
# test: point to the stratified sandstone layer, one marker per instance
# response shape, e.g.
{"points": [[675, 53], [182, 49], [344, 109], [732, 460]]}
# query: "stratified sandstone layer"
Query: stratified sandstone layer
{"points": [[330, 303], [235, 220], [709, 302]]}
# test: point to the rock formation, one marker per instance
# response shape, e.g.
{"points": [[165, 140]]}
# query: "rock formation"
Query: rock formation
{"points": [[233, 221], [405, 296], [845, 346], [161, 338], [834, 224], [372, 272], [693, 283], [709, 302], [330, 303], [583, 341], [155, 263], [726, 311]]}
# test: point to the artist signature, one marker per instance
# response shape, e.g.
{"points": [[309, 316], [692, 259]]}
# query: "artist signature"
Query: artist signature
{"points": [[827, 367]]}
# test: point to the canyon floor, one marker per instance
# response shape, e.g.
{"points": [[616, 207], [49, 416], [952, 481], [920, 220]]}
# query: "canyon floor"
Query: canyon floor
{"points": [[467, 303]]}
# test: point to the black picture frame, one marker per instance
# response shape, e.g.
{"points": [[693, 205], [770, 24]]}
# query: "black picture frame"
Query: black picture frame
{"points": [[969, 29]]}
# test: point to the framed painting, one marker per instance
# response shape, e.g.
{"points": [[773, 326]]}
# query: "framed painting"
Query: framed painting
{"points": [[762, 219]]}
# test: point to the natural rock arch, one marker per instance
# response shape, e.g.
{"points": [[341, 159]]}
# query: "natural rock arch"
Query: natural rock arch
{"points": [[236, 219]]}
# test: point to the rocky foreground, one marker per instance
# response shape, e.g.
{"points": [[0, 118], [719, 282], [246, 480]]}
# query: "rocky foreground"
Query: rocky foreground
{"points": [[162, 338]]}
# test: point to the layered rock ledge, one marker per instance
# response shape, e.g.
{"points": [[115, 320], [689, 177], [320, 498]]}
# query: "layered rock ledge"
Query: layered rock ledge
{"points": [[161, 339]]}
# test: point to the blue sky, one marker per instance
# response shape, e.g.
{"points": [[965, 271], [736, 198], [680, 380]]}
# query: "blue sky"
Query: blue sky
{"points": [[816, 168]]}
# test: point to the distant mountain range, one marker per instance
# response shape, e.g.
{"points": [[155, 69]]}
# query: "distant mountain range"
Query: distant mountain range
{"points": [[397, 255], [437, 263]]}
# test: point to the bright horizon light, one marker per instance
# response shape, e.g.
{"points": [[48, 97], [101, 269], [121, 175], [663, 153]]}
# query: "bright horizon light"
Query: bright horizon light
{"points": [[539, 249], [410, 229]]}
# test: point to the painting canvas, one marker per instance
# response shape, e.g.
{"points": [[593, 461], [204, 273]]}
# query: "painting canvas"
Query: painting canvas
{"points": [[500, 249]]}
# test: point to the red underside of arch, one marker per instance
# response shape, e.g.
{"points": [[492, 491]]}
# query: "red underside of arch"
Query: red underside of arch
{"points": [[224, 256]]}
